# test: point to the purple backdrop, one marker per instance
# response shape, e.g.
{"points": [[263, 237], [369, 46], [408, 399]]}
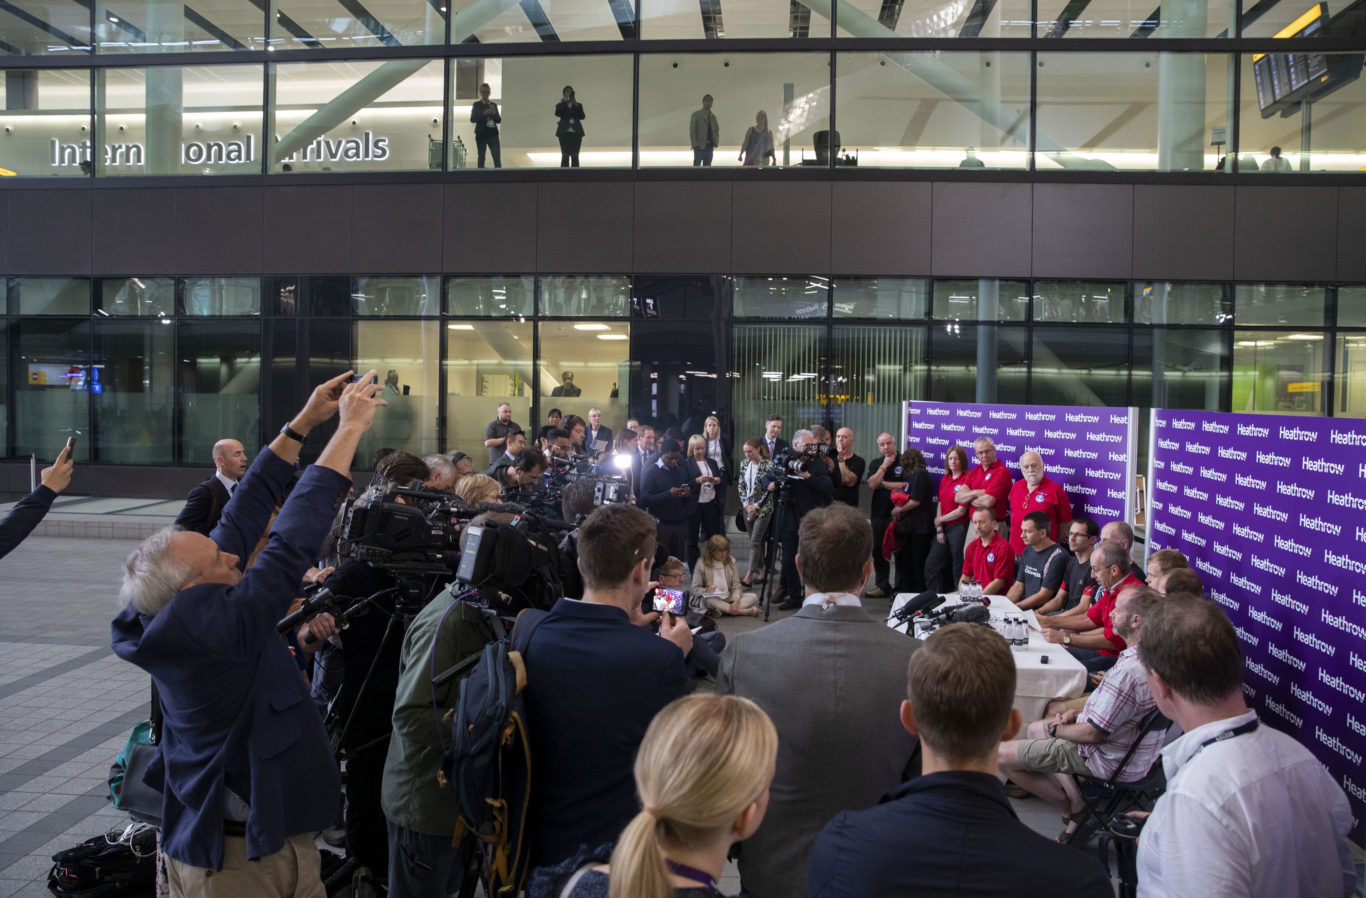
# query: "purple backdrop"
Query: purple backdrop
{"points": [[1088, 451], [1271, 511]]}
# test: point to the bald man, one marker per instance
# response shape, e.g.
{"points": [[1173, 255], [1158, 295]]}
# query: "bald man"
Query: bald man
{"points": [[1035, 491], [204, 505]]}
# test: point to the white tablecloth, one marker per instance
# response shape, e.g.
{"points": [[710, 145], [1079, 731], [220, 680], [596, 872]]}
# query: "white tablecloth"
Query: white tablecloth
{"points": [[1035, 682]]}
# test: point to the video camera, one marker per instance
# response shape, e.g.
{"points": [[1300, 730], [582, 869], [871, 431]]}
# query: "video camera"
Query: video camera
{"points": [[792, 462], [611, 484]]}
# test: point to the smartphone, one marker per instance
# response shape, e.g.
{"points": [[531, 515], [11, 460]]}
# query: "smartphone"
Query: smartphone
{"points": [[670, 600], [70, 447]]}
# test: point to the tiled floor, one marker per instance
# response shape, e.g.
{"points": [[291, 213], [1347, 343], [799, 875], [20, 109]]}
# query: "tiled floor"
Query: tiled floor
{"points": [[68, 704]]}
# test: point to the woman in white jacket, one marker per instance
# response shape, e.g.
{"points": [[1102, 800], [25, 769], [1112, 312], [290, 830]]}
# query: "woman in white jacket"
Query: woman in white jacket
{"points": [[716, 583]]}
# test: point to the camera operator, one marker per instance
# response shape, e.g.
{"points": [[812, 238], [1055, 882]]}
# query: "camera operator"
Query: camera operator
{"points": [[803, 474], [248, 776], [556, 446], [521, 472], [364, 647]]}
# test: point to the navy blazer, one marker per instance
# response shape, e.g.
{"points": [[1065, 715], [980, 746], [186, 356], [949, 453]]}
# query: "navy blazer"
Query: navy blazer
{"points": [[23, 517], [237, 714], [604, 434], [947, 835], [594, 683], [203, 506]]}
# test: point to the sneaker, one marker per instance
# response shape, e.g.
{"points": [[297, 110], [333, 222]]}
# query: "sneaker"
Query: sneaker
{"points": [[877, 592]]}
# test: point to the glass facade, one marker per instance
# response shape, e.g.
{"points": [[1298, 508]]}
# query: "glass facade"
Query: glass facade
{"points": [[125, 361], [395, 85]]}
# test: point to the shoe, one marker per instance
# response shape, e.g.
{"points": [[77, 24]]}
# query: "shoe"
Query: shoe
{"points": [[877, 592], [1015, 791], [790, 605]]}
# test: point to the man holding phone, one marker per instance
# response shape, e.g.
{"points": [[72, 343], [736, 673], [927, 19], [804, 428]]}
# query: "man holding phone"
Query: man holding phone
{"points": [[31, 509], [665, 493]]}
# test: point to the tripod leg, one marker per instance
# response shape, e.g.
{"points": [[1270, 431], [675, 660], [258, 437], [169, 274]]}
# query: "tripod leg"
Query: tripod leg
{"points": [[772, 541]]}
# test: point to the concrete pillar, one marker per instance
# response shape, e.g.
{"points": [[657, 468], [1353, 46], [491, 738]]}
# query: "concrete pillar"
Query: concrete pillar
{"points": [[1181, 90], [165, 88], [988, 314]]}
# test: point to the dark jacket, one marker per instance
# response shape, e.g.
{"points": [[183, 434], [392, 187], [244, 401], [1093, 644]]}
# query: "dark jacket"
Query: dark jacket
{"points": [[237, 714], [203, 507], [23, 517], [815, 491], [604, 434], [571, 125], [594, 682], [656, 481], [947, 835], [486, 125]]}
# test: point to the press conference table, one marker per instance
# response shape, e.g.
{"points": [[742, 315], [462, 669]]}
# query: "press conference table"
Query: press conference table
{"points": [[1036, 681]]}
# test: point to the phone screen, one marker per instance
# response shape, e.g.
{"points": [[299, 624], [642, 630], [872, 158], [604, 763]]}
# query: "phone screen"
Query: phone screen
{"points": [[670, 600]]}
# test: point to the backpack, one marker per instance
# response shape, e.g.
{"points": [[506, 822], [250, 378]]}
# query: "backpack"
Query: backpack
{"points": [[122, 863], [488, 764]]}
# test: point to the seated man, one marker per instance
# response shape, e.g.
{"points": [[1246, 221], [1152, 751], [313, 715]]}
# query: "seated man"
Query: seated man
{"points": [[1248, 810], [1041, 566], [1078, 586], [1094, 741], [1089, 635], [828, 676], [987, 557], [1183, 581], [248, 774], [960, 688], [1162, 564], [595, 678]]}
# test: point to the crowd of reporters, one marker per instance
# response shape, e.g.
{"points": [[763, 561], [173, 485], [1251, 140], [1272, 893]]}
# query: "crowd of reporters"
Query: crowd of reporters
{"points": [[639, 788]]}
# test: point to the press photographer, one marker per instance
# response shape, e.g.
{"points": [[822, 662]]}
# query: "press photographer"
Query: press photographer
{"points": [[800, 481]]}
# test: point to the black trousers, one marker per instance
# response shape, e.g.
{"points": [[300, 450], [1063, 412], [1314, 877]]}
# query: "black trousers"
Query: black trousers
{"points": [[944, 566], [490, 143], [706, 517], [882, 569], [569, 150], [910, 563], [792, 581], [673, 536]]}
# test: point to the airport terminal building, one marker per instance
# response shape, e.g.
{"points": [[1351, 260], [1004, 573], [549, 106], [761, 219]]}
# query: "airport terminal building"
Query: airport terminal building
{"points": [[208, 206]]}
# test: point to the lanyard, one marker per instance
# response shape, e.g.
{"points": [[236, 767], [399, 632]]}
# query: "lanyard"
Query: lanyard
{"points": [[1229, 734], [696, 875]]}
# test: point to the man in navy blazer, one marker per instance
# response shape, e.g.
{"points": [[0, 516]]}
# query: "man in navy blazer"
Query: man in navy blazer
{"points": [[204, 505], [963, 838], [595, 679], [248, 777]]}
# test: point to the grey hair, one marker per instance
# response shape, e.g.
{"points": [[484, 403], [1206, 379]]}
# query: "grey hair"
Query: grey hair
{"points": [[439, 464], [1111, 554], [804, 435], [152, 575]]}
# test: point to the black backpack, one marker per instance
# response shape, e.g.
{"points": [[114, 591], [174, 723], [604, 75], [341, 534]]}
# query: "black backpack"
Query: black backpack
{"points": [[489, 762], [106, 866]]}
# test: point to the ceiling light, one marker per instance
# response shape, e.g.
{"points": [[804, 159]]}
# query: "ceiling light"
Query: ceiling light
{"points": [[613, 337], [590, 327], [460, 327], [1305, 337]]}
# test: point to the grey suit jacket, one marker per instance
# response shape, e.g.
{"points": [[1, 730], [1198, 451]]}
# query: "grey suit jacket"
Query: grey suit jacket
{"points": [[833, 680]]}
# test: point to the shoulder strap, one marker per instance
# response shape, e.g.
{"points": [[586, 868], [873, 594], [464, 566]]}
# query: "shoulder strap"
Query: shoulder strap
{"points": [[574, 880]]}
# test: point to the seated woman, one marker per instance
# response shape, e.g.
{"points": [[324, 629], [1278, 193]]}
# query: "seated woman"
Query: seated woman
{"points": [[703, 774], [716, 583]]}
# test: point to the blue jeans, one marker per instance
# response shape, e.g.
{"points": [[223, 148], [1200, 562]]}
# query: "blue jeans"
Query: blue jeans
{"points": [[702, 155], [422, 866]]}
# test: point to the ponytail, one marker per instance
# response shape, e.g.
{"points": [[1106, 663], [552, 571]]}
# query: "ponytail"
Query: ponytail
{"points": [[638, 869]]}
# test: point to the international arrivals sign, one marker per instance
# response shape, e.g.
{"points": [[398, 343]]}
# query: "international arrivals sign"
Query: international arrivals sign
{"points": [[1271, 511], [1088, 451], [367, 147]]}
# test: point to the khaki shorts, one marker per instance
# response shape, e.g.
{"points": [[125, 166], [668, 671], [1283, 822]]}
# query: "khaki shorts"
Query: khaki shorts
{"points": [[1052, 756], [291, 872]]}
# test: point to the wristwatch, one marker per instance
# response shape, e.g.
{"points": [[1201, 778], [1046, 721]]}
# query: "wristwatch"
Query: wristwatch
{"points": [[1066, 637], [292, 433], [1052, 731]]}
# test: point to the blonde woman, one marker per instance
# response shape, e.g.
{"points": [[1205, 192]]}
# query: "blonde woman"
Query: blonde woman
{"points": [[703, 774], [477, 488], [716, 583], [707, 480], [757, 147]]}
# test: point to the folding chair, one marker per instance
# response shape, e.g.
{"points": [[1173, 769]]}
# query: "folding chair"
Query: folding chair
{"points": [[1104, 798]]}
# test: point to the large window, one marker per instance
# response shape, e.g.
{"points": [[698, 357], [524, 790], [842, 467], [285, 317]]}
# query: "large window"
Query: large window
{"points": [[487, 363], [218, 380], [585, 365], [45, 123], [169, 120], [1278, 371], [778, 372], [53, 381], [781, 297], [49, 296], [403, 353], [935, 110], [1180, 368], [139, 26], [44, 27], [978, 363], [1080, 366], [131, 380], [872, 372]]}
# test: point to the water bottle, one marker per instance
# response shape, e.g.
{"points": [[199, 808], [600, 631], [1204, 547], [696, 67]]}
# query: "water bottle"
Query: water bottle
{"points": [[1021, 633]]}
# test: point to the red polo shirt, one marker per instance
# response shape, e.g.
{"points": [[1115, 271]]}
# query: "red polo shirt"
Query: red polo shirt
{"points": [[990, 562], [1100, 609], [1047, 497], [948, 486], [996, 481]]}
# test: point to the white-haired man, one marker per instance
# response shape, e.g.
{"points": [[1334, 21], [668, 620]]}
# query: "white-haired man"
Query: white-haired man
{"points": [[245, 765]]}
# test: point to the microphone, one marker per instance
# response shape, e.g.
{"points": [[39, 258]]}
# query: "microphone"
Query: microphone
{"points": [[922, 602]]}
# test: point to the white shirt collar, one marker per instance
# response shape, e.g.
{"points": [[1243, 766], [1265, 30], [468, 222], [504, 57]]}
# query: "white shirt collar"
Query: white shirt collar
{"points": [[1175, 756], [228, 482], [833, 598]]}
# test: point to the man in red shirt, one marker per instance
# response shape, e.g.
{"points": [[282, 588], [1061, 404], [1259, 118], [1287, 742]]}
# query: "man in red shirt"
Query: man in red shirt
{"points": [[988, 483], [987, 558], [1035, 491], [1090, 635]]}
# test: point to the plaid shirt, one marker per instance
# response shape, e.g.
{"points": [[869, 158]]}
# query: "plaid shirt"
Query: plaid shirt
{"points": [[1117, 709]]}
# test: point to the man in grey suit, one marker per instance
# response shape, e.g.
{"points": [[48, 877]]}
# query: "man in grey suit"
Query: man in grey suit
{"points": [[826, 675]]}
